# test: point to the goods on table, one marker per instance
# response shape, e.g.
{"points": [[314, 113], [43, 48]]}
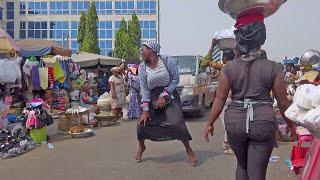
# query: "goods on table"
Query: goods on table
{"points": [[14, 143], [75, 111], [35, 116], [72, 117], [60, 99], [106, 116], [76, 129]]}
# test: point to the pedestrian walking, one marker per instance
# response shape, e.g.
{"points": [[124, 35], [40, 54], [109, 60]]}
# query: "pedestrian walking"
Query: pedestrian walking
{"points": [[250, 119], [162, 117]]}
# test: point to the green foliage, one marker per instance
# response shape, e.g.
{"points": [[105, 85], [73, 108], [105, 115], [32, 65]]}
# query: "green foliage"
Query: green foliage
{"points": [[90, 42], [134, 32], [81, 29]]}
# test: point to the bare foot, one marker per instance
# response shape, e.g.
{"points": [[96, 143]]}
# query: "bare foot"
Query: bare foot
{"points": [[192, 157], [139, 153]]}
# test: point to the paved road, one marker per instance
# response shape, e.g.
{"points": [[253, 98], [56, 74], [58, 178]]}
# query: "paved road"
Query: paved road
{"points": [[110, 155]]}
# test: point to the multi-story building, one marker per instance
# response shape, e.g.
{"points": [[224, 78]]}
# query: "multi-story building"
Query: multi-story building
{"points": [[58, 20]]}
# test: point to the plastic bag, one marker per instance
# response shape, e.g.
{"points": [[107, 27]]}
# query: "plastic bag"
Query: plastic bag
{"points": [[307, 96], [9, 71], [295, 113], [312, 118], [225, 33]]}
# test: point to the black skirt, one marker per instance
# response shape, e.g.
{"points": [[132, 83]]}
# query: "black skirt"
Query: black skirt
{"points": [[165, 124]]}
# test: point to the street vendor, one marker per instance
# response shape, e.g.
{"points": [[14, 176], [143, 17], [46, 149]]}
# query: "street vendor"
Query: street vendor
{"points": [[102, 82], [86, 100], [117, 91], [228, 55]]}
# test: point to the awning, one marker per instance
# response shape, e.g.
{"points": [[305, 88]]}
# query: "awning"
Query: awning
{"points": [[86, 60], [41, 47], [7, 44]]}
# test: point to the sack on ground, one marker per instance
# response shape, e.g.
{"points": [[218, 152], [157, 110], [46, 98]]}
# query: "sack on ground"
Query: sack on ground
{"points": [[104, 101]]}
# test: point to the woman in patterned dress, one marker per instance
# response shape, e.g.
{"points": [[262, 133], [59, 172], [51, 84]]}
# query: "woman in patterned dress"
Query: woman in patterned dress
{"points": [[162, 117], [134, 92]]}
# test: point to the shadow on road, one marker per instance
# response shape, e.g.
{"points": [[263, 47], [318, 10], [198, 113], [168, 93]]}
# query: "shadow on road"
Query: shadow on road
{"points": [[203, 156]]}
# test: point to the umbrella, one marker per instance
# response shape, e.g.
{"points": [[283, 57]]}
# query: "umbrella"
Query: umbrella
{"points": [[86, 60], [7, 44]]}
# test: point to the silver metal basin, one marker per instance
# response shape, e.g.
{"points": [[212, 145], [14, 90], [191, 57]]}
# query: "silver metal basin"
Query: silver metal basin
{"points": [[310, 58], [236, 8]]}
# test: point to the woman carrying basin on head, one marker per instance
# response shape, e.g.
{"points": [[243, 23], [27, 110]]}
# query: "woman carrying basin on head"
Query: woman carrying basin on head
{"points": [[249, 119]]}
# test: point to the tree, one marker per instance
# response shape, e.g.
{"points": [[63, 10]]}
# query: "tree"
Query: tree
{"points": [[90, 42], [134, 32], [123, 45], [81, 29]]}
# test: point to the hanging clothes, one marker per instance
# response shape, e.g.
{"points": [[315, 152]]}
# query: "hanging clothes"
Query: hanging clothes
{"points": [[50, 77], [35, 78], [43, 73], [58, 72]]}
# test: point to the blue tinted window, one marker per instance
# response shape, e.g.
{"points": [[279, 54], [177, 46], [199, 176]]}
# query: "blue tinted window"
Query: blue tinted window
{"points": [[148, 29], [10, 5], [124, 7], [105, 30], [153, 34], [74, 46], [37, 25], [37, 29], [43, 25], [10, 28], [74, 25], [10, 25], [146, 33], [74, 29], [59, 7], [59, 29], [10, 10], [117, 24], [146, 7], [22, 32], [22, 8], [103, 7], [78, 6], [105, 46], [152, 24]]}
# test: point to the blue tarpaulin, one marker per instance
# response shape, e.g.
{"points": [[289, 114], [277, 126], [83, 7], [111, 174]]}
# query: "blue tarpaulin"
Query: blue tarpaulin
{"points": [[39, 52]]}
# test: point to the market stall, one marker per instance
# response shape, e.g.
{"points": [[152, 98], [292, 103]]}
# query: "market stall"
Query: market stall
{"points": [[41, 47], [88, 60]]}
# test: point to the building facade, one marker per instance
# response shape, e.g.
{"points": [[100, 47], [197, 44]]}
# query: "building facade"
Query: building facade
{"points": [[58, 20]]}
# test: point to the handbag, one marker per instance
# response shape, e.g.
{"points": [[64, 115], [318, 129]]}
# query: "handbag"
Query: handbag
{"points": [[44, 75], [298, 153]]}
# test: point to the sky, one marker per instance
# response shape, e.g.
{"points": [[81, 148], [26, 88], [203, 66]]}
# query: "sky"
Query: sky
{"points": [[187, 27]]}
